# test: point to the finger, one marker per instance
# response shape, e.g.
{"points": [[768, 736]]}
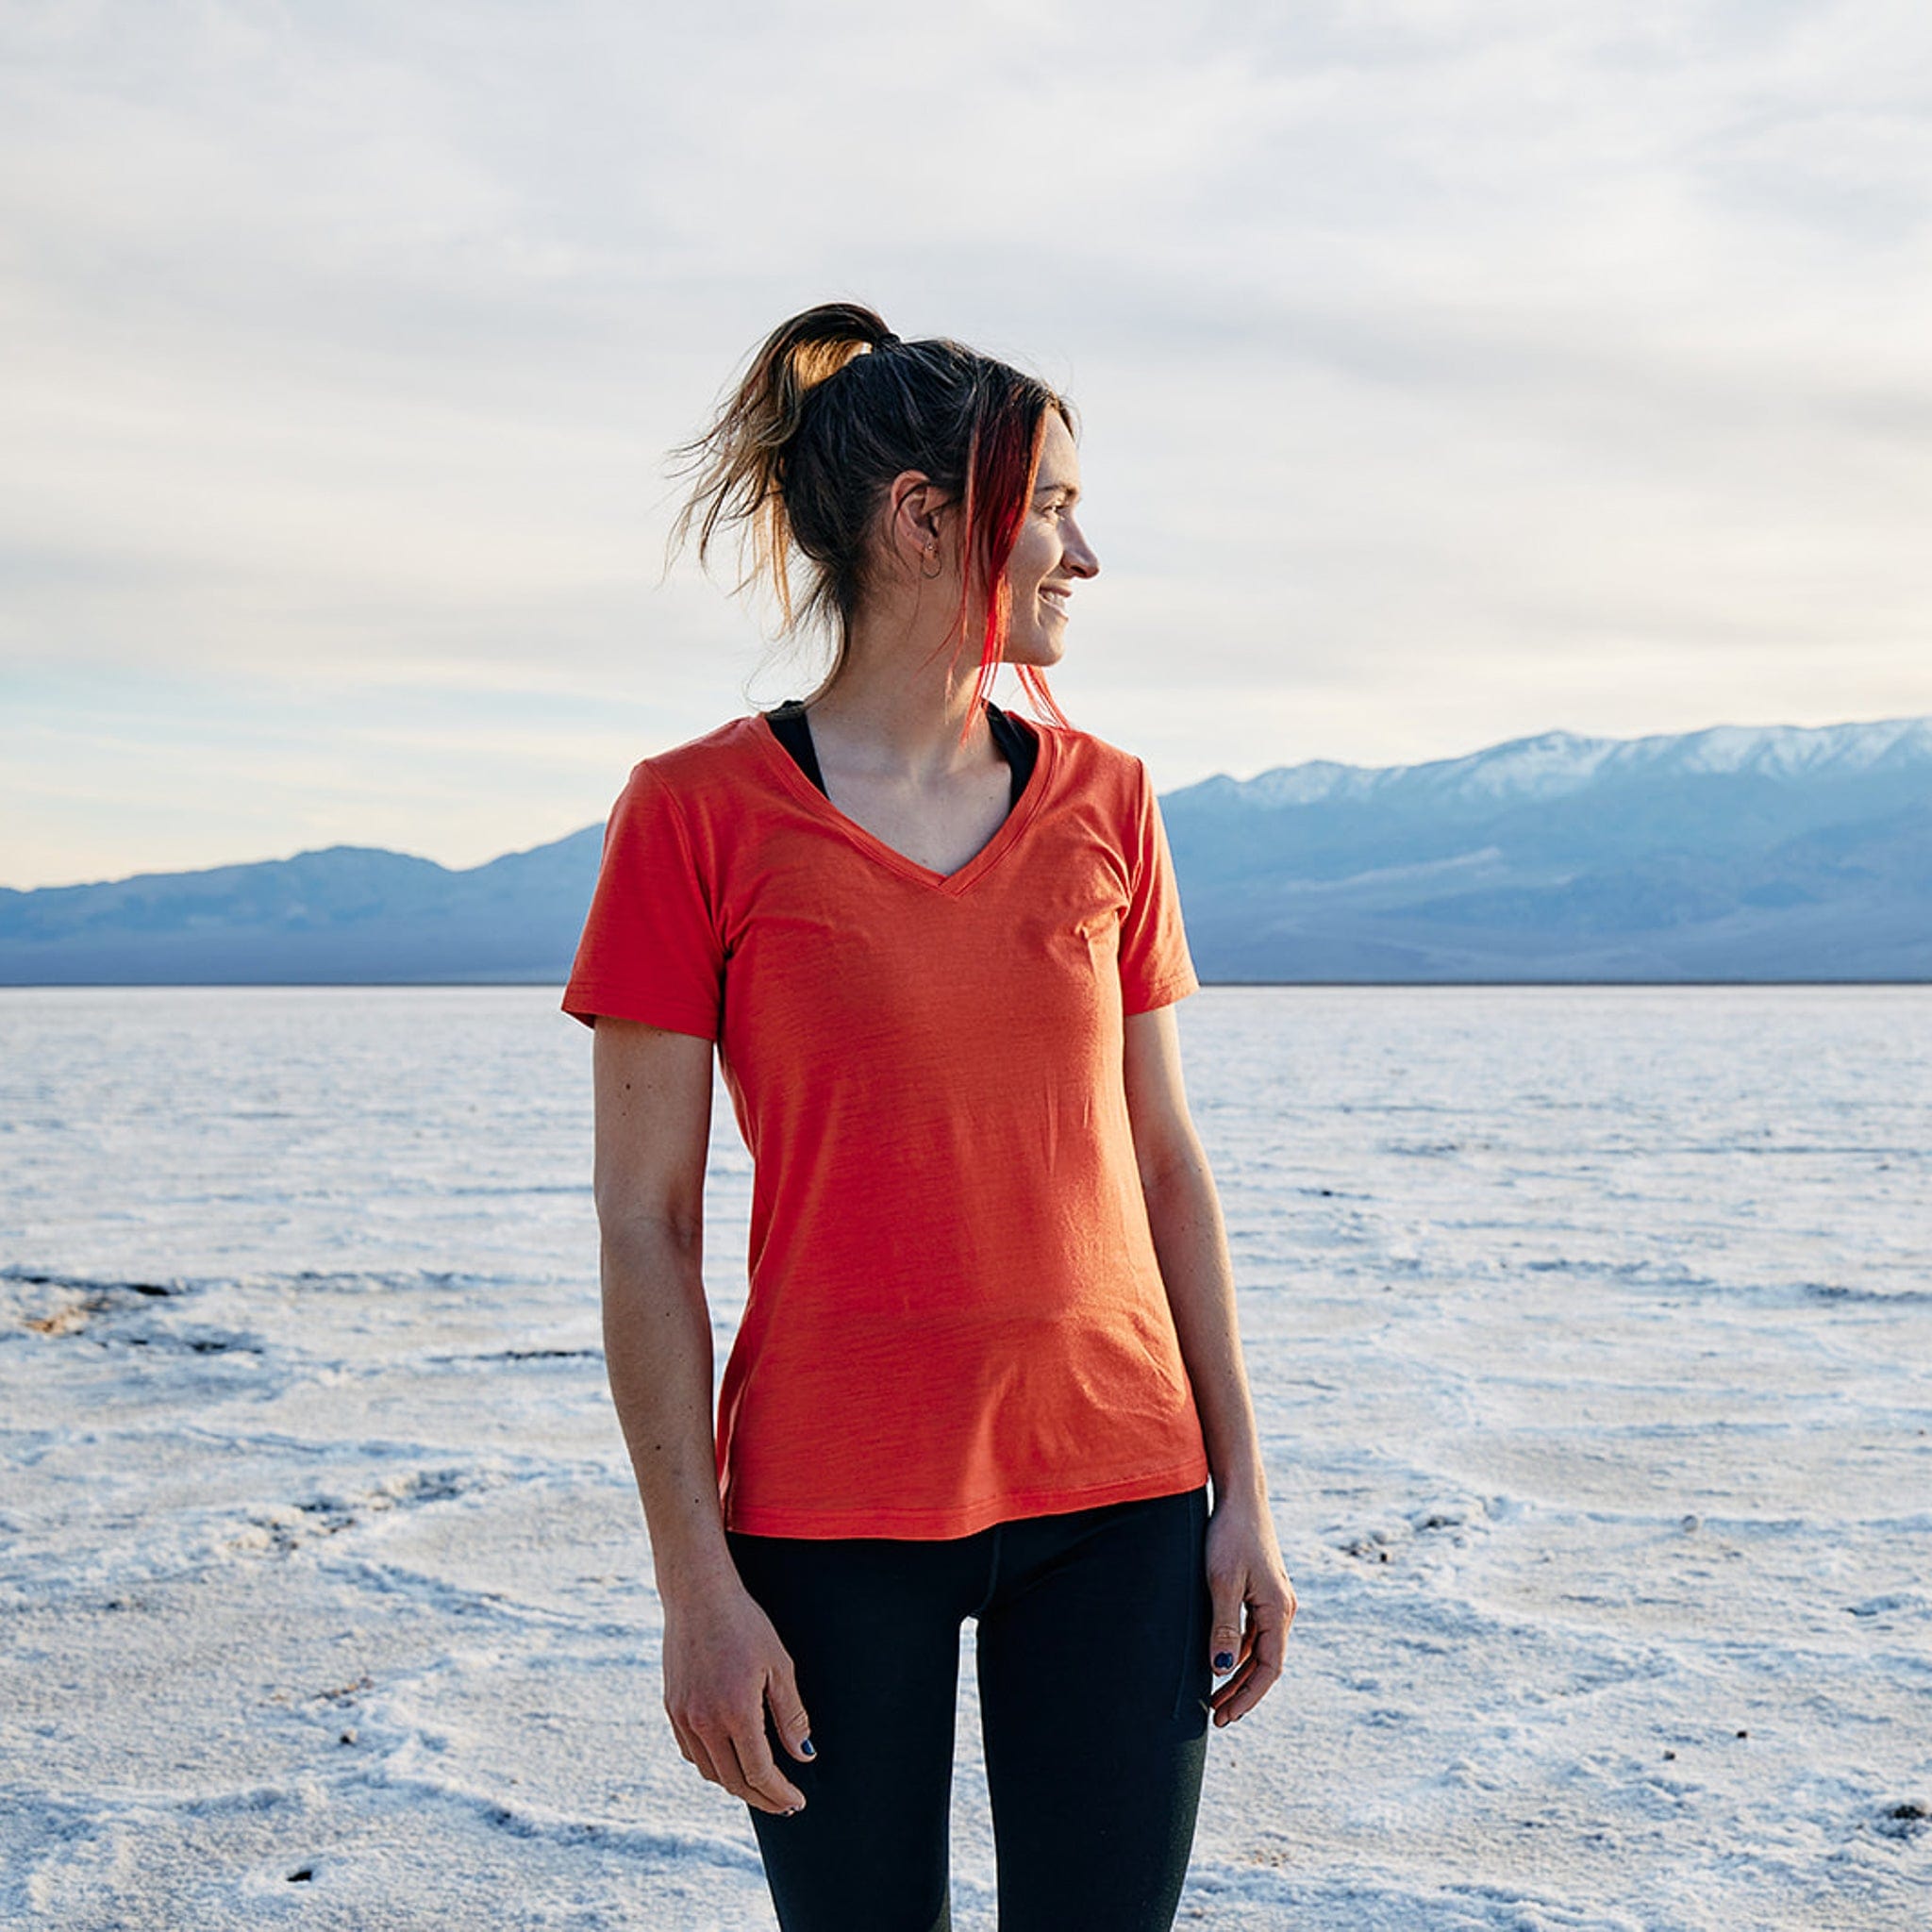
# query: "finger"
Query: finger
{"points": [[1262, 1669], [765, 1785], [1220, 1699], [726, 1770], [1252, 1690], [1238, 1695], [700, 1755], [788, 1714], [1224, 1647]]}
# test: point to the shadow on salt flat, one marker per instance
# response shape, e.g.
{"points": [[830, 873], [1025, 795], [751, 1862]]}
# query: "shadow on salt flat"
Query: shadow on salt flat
{"points": [[352, 1856], [1237, 1899]]}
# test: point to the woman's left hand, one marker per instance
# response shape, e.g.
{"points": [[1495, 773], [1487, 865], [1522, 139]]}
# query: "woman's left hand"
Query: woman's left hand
{"points": [[1245, 1572]]}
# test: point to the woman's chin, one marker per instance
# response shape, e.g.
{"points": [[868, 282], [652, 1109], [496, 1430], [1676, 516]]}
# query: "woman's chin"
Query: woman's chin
{"points": [[1041, 648]]}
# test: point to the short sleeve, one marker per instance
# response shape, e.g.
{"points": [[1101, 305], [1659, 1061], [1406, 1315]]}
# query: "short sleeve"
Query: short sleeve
{"points": [[1156, 969], [650, 949]]}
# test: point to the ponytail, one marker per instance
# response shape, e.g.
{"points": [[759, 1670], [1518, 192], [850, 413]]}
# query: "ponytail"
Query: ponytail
{"points": [[832, 408], [740, 460]]}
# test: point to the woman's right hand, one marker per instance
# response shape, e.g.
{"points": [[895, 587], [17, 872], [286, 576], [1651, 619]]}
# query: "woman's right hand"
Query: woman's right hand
{"points": [[723, 1665]]}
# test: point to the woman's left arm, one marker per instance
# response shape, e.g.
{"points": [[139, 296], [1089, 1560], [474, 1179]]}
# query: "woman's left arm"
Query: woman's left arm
{"points": [[1245, 1566]]}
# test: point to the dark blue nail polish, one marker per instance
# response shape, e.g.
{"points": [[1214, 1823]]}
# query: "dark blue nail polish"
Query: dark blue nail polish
{"points": [[1224, 1663], [805, 1749]]}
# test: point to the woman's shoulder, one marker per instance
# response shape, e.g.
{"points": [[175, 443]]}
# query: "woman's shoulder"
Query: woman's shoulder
{"points": [[1087, 759], [699, 766]]}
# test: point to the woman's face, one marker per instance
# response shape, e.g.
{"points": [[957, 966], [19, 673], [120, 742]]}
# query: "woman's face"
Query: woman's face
{"points": [[1050, 555]]}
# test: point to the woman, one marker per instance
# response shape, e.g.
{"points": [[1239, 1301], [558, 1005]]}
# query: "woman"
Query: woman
{"points": [[990, 1359]]}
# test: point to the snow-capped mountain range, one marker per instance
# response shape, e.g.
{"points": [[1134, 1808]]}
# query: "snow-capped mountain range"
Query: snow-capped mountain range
{"points": [[1734, 853], [1558, 764], [1737, 852]]}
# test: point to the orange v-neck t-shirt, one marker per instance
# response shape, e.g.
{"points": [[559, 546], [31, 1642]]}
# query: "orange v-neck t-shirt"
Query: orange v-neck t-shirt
{"points": [[955, 1315]]}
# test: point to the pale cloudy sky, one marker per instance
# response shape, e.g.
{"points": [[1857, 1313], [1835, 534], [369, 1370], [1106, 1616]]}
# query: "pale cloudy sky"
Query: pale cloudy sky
{"points": [[1449, 372]]}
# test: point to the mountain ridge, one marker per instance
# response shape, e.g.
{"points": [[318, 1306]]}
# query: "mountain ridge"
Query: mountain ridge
{"points": [[1735, 852], [1717, 748]]}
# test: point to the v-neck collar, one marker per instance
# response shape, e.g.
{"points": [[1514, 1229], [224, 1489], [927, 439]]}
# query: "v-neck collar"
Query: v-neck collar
{"points": [[953, 883]]}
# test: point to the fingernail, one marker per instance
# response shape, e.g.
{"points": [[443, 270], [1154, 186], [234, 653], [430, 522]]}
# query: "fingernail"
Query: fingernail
{"points": [[1224, 1663], [806, 1748]]}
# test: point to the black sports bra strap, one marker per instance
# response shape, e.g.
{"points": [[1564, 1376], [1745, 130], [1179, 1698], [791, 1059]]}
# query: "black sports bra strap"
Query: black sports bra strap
{"points": [[1017, 742], [1018, 745], [789, 727]]}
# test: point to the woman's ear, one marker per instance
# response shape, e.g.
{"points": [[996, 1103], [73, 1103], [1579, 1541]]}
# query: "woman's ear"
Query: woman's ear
{"points": [[917, 523]]}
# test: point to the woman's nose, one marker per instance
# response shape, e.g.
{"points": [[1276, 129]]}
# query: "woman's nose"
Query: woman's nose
{"points": [[1079, 554]]}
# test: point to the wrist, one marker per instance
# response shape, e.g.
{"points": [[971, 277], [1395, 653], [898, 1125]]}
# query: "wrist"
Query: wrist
{"points": [[695, 1586], [1242, 1486], [692, 1562]]}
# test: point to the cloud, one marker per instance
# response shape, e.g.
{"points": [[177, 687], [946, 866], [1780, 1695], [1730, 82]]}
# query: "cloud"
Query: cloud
{"points": [[1446, 370]]}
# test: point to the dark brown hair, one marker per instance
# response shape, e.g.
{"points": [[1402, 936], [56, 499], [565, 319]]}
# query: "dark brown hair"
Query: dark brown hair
{"points": [[832, 408]]}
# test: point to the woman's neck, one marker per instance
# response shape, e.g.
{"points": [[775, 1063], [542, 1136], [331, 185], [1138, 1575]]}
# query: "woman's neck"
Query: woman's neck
{"points": [[897, 708]]}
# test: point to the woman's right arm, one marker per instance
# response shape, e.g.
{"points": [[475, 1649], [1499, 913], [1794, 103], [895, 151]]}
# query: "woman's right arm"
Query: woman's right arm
{"points": [[722, 1660]]}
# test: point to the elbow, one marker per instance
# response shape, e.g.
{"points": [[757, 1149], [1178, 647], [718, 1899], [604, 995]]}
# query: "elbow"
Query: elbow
{"points": [[636, 1231], [1176, 1168]]}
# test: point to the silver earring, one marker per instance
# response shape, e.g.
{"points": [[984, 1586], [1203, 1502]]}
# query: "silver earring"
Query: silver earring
{"points": [[932, 551]]}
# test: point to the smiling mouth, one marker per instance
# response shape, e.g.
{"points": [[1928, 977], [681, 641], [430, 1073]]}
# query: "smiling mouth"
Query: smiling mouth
{"points": [[1057, 598]]}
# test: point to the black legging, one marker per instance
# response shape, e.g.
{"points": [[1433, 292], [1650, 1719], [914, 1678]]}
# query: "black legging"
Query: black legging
{"points": [[1093, 1679]]}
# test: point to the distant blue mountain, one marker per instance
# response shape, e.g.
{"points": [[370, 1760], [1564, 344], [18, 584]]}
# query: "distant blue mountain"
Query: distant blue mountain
{"points": [[1771, 854], [1732, 854], [351, 913]]}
